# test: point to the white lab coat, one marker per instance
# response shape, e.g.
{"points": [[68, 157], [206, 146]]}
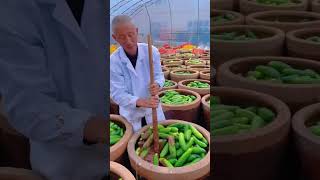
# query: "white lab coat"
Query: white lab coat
{"points": [[53, 77], [128, 84]]}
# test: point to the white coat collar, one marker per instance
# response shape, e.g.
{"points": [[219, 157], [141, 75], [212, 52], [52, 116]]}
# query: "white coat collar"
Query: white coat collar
{"points": [[63, 15], [124, 59]]}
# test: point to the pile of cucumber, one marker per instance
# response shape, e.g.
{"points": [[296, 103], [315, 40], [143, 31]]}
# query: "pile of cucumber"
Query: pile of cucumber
{"points": [[315, 39], [280, 72], [229, 120], [198, 84], [236, 36], [168, 83], [175, 98], [179, 145], [278, 2], [194, 61], [183, 72], [315, 129], [223, 18], [116, 133]]}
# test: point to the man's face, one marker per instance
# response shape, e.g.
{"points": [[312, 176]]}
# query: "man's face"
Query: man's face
{"points": [[126, 35]]}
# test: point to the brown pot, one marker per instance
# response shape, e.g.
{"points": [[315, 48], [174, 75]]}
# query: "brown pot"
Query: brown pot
{"points": [[288, 93], [299, 47], [270, 43], [172, 62], [316, 6], [206, 110], [179, 77], [175, 86], [205, 74], [117, 150], [10, 173], [198, 67], [188, 112], [208, 63], [222, 5], [307, 144], [202, 91], [121, 171], [289, 20], [114, 107], [14, 147], [151, 172], [252, 6], [166, 72], [174, 67], [239, 18], [253, 155], [188, 63]]}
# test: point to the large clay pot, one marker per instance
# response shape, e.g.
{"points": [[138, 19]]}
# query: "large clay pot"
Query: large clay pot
{"points": [[189, 62], [117, 150], [172, 62], [10, 173], [252, 6], [307, 144], [166, 72], [238, 20], [205, 74], [285, 20], [202, 91], [222, 5], [174, 67], [120, 171], [188, 112], [206, 110], [316, 6], [14, 147], [270, 42], [288, 93], [254, 155], [151, 172], [298, 46], [179, 77], [198, 67], [175, 86]]}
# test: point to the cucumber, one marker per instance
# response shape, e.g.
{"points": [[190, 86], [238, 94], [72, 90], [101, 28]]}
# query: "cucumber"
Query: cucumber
{"points": [[225, 131], [240, 120], [315, 130], [257, 122], [225, 107], [224, 116], [244, 113], [255, 74], [268, 71], [220, 124], [266, 114], [278, 65]]}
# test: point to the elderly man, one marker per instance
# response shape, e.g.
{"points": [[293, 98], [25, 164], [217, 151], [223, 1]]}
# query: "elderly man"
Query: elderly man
{"points": [[130, 75], [53, 77]]}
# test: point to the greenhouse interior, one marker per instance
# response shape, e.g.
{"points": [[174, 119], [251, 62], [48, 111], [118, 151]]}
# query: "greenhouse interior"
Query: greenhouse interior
{"points": [[180, 30]]}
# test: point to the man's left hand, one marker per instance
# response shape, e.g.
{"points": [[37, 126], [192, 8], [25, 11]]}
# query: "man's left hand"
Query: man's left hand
{"points": [[154, 89]]}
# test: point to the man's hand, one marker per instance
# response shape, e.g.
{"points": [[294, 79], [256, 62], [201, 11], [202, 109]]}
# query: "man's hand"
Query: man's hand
{"points": [[154, 89], [152, 102], [96, 130]]}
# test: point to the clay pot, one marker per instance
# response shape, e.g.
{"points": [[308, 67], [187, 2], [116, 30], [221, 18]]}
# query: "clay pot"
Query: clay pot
{"points": [[239, 18], [252, 6], [117, 150], [174, 67], [188, 63], [288, 93], [254, 155], [121, 171], [206, 110], [149, 171], [298, 46], [316, 6], [202, 91], [205, 74], [208, 63], [270, 42], [287, 20], [114, 107], [175, 86], [222, 4], [187, 112], [166, 72], [10, 173], [172, 62], [307, 144], [198, 67], [179, 77], [14, 147]]}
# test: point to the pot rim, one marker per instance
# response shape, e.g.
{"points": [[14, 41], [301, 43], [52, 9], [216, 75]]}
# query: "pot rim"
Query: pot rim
{"points": [[193, 72], [225, 69], [121, 171], [239, 16], [204, 101], [292, 35]]}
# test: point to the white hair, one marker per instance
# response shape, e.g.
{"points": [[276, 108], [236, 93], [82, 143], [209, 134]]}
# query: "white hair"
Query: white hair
{"points": [[120, 19]]}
